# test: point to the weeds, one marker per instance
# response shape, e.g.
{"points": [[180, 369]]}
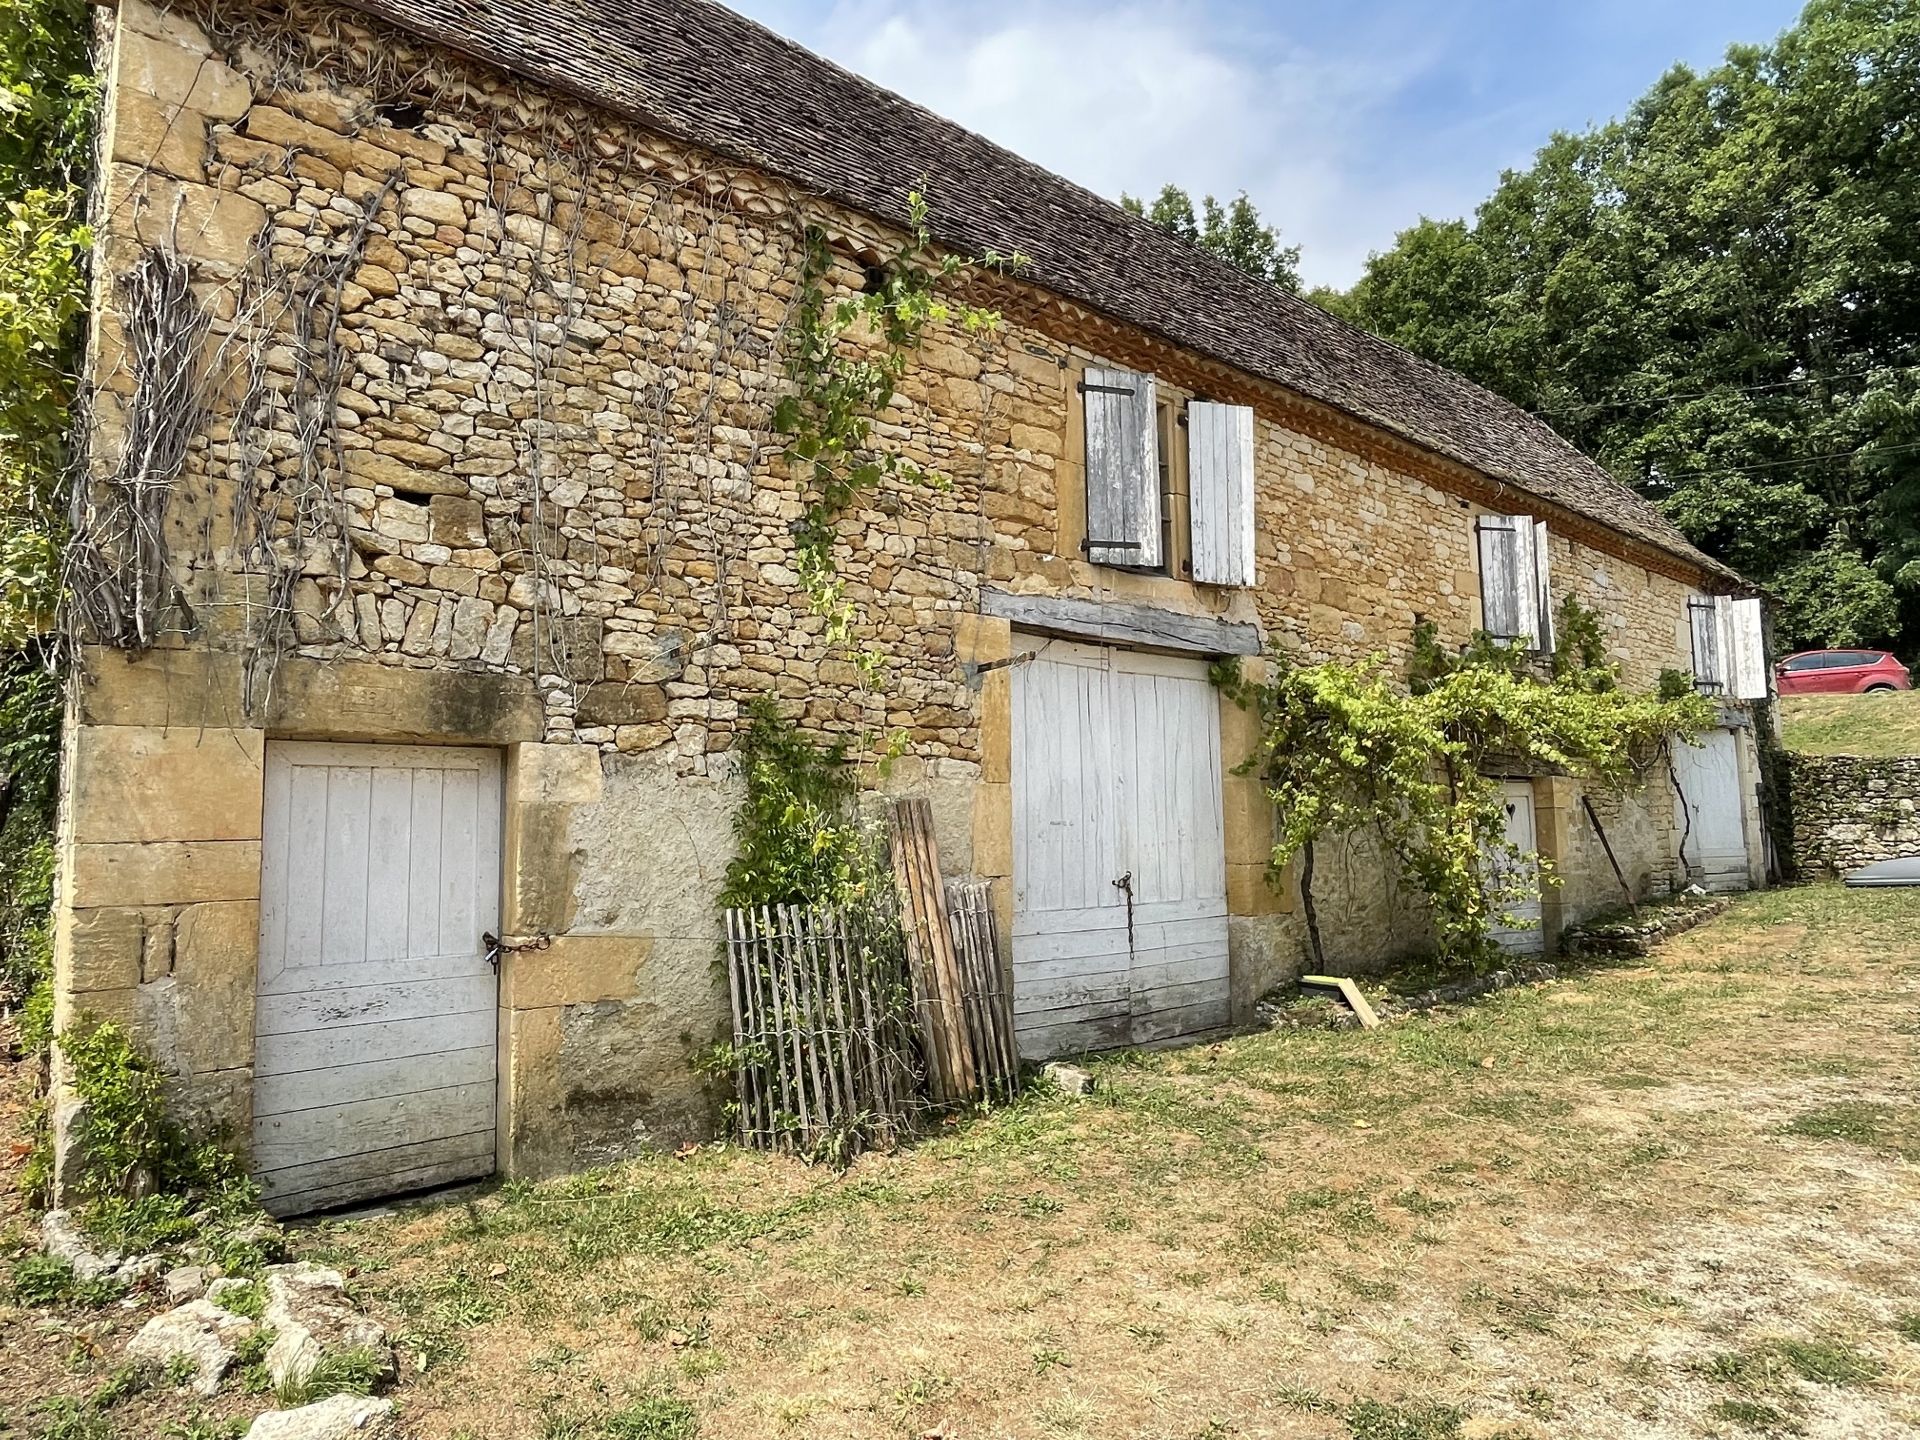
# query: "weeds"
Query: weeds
{"points": [[354, 1371], [1374, 1420], [42, 1280]]}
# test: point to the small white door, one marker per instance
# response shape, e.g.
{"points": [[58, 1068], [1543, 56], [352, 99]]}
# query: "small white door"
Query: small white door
{"points": [[375, 1018], [1713, 826], [1531, 938], [1120, 904]]}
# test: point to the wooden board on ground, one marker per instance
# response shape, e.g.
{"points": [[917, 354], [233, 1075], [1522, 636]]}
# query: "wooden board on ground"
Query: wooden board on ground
{"points": [[1349, 992]]}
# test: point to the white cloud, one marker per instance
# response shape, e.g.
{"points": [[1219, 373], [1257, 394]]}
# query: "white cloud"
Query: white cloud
{"points": [[1129, 98]]}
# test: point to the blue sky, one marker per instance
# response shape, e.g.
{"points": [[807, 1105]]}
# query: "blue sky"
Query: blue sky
{"points": [[1346, 120]]}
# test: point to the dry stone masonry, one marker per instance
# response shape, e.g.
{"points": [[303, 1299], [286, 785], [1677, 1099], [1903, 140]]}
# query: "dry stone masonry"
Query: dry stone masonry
{"points": [[1849, 812]]}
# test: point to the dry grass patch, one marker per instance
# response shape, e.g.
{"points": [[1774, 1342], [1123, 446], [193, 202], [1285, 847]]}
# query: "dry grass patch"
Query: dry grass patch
{"points": [[1674, 1199]]}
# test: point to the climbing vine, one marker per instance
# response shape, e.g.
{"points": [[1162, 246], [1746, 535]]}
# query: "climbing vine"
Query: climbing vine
{"points": [[801, 839], [846, 358], [1347, 747]]}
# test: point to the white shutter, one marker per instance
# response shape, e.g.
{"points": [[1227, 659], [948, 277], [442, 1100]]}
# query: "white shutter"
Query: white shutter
{"points": [[1743, 648], [1123, 469], [1703, 616], [1544, 638], [1220, 473], [1510, 578]]}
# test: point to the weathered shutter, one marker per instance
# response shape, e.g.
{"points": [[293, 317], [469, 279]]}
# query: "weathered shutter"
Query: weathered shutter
{"points": [[1510, 578], [1704, 617], [1499, 565], [1123, 469], [1743, 648], [1544, 638], [1220, 473]]}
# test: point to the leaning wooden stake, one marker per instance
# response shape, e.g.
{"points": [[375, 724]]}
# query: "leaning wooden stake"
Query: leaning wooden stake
{"points": [[938, 995]]}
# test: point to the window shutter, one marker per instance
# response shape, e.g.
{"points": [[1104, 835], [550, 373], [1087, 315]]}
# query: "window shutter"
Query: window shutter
{"points": [[1744, 648], [1510, 578], [1123, 469], [1544, 638], [1704, 616], [1499, 565], [1220, 473]]}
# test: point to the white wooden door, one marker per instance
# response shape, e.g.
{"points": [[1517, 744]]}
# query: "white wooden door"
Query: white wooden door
{"points": [[1522, 833], [1120, 905], [1713, 822], [375, 1019]]}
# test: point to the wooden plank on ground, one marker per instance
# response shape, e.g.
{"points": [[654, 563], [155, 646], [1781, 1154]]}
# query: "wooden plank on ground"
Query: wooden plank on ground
{"points": [[1350, 992]]}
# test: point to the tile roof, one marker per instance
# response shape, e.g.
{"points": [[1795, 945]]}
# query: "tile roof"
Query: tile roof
{"points": [[694, 70]]}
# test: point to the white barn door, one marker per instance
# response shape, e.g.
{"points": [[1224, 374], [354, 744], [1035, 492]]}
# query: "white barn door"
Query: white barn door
{"points": [[1522, 832], [1120, 907], [376, 1013], [1713, 825]]}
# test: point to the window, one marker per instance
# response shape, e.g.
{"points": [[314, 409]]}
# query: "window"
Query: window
{"points": [[1516, 592], [1169, 481]]}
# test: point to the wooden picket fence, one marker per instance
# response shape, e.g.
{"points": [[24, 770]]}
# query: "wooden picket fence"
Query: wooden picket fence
{"points": [[987, 1002], [824, 1053], [848, 1032]]}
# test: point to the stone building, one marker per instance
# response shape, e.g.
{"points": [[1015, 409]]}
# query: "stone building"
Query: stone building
{"points": [[439, 536]]}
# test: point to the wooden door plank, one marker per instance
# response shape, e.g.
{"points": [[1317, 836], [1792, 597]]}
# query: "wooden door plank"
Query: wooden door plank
{"points": [[362, 1126], [297, 1051], [289, 1093]]}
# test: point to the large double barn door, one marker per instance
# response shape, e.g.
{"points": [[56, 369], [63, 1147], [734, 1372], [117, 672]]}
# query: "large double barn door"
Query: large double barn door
{"points": [[1712, 820], [1120, 905], [377, 1003]]}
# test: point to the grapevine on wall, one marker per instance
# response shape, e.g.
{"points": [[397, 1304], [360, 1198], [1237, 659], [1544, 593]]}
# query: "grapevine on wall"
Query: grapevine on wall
{"points": [[1348, 747]]}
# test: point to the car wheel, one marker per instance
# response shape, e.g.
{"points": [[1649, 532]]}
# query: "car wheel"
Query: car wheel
{"points": [[1879, 689]]}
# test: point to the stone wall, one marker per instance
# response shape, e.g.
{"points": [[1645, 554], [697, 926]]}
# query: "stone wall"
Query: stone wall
{"points": [[1849, 812], [488, 459]]}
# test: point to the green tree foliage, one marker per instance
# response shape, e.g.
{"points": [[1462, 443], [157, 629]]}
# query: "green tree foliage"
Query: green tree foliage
{"points": [[1235, 232], [46, 117], [1719, 296]]}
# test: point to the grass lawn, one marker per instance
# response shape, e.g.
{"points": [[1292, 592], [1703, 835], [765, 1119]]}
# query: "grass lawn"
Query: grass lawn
{"points": [[1675, 1199], [1874, 725]]}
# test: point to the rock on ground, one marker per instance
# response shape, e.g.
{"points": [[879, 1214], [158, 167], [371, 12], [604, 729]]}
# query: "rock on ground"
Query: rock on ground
{"points": [[199, 1331], [188, 1282], [64, 1240], [340, 1417], [311, 1315]]}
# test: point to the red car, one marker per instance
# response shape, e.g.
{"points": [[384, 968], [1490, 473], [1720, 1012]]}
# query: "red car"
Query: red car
{"points": [[1841, 672]]}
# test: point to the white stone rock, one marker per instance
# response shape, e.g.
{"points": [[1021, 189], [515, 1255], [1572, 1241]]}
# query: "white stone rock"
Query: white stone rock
{"points": [[311, 1315], [339, 1417], [64, 1240], [199, 1331]]}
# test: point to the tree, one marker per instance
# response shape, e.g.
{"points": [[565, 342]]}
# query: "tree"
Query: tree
{"points": [[46, 113], [1719, 296], [1234, 232]]}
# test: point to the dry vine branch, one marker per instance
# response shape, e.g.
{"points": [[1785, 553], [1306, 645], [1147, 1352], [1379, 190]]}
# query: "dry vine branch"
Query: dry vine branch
{"points": [[119, 583]]}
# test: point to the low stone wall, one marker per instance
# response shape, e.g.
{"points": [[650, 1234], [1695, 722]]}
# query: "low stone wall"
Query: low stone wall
{"points": [[1849, 812]]}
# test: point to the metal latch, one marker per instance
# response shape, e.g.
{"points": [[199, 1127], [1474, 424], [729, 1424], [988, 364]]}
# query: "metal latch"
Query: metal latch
{"points": [[493, 951]]}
